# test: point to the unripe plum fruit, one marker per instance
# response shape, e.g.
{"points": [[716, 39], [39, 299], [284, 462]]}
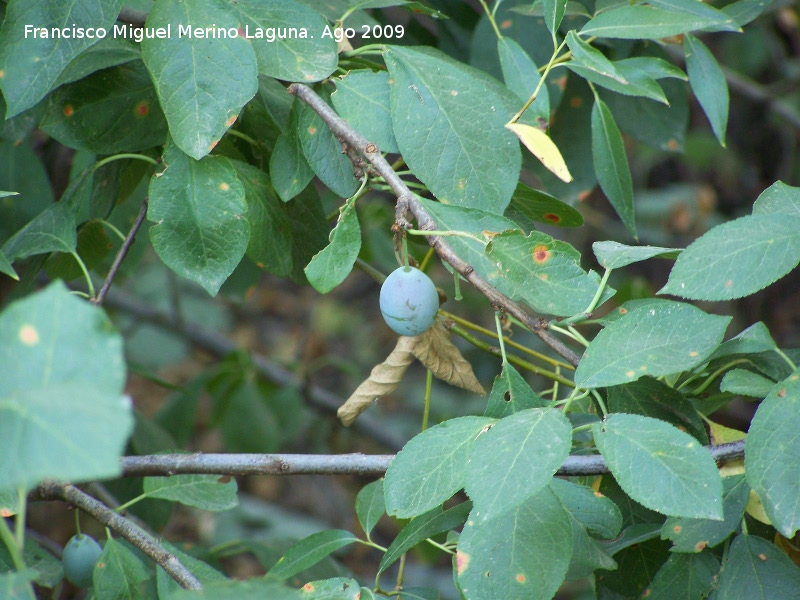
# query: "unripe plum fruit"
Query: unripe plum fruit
{"points": [[409, 301], [79, 557]]}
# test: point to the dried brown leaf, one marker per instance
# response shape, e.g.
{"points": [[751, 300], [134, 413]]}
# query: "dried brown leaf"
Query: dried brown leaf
{"points": [[435, 350], [382, 380]]}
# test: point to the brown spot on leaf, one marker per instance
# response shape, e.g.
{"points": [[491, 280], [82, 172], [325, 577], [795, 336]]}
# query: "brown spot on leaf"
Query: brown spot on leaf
{"points": [[506, 24], [584, 195], [142, 109], [672, 144], [224, 186], [541, 254], [729, 283], [552, 217], [782, 393], [5, 513], [762, 557], [693, 353], [646, 593], [231, 121], [309, 587], [241, 32], [69, 110], [312, 131], [28, 335], [677, 528], [622, 310], [521, 578], [700, 546], [213, 145], [576, 102], [462, 561], [454, 92]]}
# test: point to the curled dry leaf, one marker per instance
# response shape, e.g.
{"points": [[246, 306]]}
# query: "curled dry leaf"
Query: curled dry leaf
{"points": [[382, 380], [437, 353]]}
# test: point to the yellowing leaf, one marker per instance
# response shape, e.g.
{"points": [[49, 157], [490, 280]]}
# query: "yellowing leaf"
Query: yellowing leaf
{"points": [[722, 435], [437, 353], [382, 380], [543, 148]]}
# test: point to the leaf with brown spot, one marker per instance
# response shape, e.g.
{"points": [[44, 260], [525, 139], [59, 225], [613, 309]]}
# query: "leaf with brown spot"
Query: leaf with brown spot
{"points": [[382, 380], [437, 353]]}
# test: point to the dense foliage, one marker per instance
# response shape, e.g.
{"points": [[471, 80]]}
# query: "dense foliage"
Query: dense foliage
{"points": [[542, 162]]}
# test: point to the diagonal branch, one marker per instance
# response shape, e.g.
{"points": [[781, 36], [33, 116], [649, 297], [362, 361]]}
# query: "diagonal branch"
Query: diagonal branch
{"points": [[407, 201], [137, 536]]}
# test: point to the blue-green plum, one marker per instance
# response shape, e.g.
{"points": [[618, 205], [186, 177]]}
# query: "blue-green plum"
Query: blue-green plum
{"points": [[409, 301], [79, 557]]}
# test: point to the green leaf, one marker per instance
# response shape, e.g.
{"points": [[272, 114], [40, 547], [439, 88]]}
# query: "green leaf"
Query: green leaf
{"points": [[6, 268], [554, 13], [423, 527], [590, 514], [198, 207], [362, 99], [31, 65], [772, 455], [613, 255], [52, 231], [684, 576], [543, 208], [778, 199], [745, 11], [309, 551], [288, 168], [746, 383], [511, 394], [202, 83], [752, 340], [297, 52], [694, 535], [113, 110], [653, 66], [205, 492], [17, 586], [655, 339], [515, 459], [203, 571], [652, 398], [653, 123], [94, 245], [370, 505], [336, 588], [310, 229], [522, 77], [450, 129], [650, 23], [431, 466], [737, 258], [108, 52], [62, 413], [270, 245], [611, 164], [324, 153], [701, 10], [624, 78], [708, 84], [522, 553], [241, 411], [660, 466], [118, 571], [757, 570], [333, 264], [543, 272]]}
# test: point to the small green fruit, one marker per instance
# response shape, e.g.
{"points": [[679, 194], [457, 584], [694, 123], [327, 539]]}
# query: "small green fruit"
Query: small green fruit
{"points": [[79, 557], [409, 301]]}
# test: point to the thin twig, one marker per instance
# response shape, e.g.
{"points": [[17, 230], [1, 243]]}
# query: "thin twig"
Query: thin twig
{"points": [[123, 252], [137, 536], [407, 200]]}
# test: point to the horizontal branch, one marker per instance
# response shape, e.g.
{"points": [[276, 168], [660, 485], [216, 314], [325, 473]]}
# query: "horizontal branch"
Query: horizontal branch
{"points": [[336, 464], [123, 527], [407, 199]]}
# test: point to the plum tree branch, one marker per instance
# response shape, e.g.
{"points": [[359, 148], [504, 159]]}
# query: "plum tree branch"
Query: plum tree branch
{"points": [[406, 200], [137, 536], [335, 464]]}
